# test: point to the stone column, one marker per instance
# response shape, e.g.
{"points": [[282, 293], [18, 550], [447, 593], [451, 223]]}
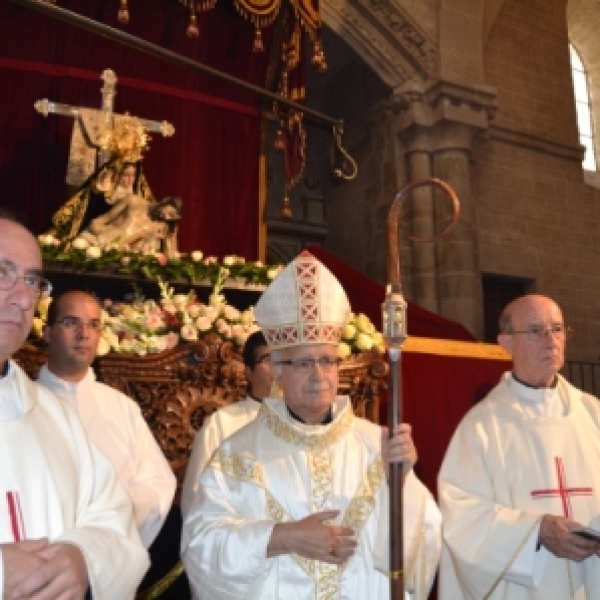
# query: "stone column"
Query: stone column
{"points": [[459, 280], [421, 211], [439, 122]]}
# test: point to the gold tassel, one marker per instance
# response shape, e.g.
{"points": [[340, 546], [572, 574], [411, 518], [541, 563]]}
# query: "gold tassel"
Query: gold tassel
{"points": [[193, 31], [286, 208], [258, 42], [123, 16]]}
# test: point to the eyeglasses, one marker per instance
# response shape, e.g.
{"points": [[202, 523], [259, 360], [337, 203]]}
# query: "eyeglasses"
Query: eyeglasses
{"points": [[305, 365], [37, 286], [77, 323], [539, 332]]}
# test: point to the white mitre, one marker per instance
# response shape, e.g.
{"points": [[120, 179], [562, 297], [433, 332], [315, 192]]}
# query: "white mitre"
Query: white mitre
{"points": [[305, 304]]}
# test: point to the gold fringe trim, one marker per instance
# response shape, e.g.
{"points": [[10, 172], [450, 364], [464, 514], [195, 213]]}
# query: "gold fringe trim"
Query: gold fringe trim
{"points": [[163, 584]]}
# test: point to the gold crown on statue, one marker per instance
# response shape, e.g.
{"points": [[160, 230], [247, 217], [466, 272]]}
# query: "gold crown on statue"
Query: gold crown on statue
{"points": [[127, 140]]}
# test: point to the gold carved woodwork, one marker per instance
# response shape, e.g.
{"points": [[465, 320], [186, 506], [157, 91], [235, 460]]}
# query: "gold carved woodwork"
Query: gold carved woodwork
{"points": [[178, 388]]}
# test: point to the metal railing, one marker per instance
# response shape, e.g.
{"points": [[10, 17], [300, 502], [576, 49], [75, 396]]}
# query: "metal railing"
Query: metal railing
{"points": [[583, 375]]}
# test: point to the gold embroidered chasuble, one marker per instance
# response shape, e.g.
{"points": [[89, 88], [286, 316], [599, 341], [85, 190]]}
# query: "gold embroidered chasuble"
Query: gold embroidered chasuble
{"points": [[277, 470]]}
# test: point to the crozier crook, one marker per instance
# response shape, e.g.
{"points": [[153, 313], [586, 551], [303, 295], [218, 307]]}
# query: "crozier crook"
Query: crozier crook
{"points": [[394, 332]]}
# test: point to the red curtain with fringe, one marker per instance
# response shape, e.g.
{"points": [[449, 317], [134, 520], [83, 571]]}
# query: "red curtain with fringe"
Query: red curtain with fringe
{"points": [[211, 161]]}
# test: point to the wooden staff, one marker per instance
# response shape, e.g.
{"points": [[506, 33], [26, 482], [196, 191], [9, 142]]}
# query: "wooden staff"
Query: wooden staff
{"points": [[394, 332]]}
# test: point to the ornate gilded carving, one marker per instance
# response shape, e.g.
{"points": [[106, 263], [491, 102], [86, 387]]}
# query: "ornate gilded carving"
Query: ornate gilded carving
{"points": [[177, 389]]}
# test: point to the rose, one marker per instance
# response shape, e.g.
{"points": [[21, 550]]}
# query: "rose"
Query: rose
{"points": [[258, 264], [364, 342], [171, 340], [154, 321], [210, 260], [189, 333], [203, 323], [272, 273], [80, 244], [229, 261], [231, 313], [161, 259], [210, 312], [93, 252], [197, 255], [170, 308], [223, 328], [194, 310], [344, 350]]}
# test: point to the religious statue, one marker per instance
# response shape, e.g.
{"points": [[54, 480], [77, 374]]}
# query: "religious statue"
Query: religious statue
{"points": [[133, 224]]}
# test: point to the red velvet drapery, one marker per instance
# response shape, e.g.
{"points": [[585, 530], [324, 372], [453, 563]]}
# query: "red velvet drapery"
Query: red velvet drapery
{"points": [[211, 162]]}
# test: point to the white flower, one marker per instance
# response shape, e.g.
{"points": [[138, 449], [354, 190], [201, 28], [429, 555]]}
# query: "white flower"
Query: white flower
{"points": [[247, 317], [344, 351], [203, 323], [189, 333], [363, 323], [231, 313], [210, 312], [349, 332], [223, 328], [180, 301], [364, 342], [272, 273], [103, 346], [194, 310], [170, 308], [48, 240], [229, 261], [197, 255], [81, 244], [258, 264], [216, 300], [93, 252]]}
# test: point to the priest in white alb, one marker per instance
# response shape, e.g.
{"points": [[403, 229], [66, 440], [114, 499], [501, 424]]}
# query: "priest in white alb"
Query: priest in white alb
{"points": [[295, 504], [521, 476], [67, 524]]}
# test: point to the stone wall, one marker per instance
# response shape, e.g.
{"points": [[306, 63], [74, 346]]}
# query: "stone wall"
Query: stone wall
{"points": [[537, 218]]}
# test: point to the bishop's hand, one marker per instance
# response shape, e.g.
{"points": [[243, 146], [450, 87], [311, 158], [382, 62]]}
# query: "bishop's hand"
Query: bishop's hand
{"points": [[557, 536]]}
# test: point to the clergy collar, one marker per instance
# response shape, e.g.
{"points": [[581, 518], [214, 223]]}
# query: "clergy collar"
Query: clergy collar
{"points": [[536, 387], [328, 417]]}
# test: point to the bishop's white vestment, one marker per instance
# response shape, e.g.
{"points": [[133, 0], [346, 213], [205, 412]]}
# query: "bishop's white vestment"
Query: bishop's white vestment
{"points": [[216, 427], [55, 484], [115, 424], [517, 455], [277, 470]]}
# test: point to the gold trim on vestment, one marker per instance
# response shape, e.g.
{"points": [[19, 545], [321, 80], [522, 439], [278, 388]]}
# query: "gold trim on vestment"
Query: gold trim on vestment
{"points": [[314, 442], [162, 584]]}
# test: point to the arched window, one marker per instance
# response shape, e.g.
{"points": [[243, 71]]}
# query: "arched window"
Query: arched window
{"points": [[584, 111]]}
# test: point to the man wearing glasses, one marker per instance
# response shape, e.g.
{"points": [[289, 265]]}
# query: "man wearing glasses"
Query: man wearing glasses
{"points": [[295, 504], [227, 420], [112, 420], [66, 523], [521, 475]]}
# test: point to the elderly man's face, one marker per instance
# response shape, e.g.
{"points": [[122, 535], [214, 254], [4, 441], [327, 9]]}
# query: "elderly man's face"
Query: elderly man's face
{"points": [[536, 359], [17, 304], [309, 392]]}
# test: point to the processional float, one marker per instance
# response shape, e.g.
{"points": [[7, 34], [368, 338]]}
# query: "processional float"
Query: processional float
{"points": [[394, 333]]}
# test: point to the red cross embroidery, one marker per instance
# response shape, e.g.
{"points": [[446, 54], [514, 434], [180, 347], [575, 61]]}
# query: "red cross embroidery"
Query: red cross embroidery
{"points": [[563, 492]]}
